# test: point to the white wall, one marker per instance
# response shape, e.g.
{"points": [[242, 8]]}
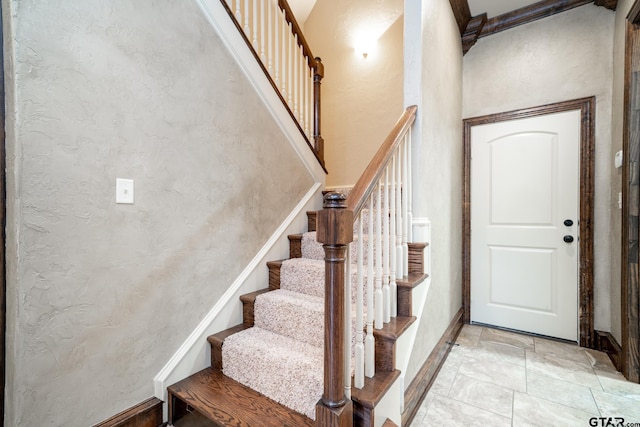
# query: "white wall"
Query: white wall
{"points": [[566, 56], [100, 295], [436, 65], [361, 98], [617, 118]]}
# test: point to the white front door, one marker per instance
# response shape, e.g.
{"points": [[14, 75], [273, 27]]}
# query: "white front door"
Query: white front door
{"points": [[524, 205]]}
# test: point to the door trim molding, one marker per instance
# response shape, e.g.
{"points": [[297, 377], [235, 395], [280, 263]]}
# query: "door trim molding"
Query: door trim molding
{"points": [[630, 276], [587, 143]]}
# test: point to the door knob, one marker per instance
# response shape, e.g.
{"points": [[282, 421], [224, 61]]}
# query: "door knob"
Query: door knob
{"points": [[568, 222], [568, 238]]}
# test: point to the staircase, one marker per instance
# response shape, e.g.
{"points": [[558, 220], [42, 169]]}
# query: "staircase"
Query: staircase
{"points": [[268, 371]]}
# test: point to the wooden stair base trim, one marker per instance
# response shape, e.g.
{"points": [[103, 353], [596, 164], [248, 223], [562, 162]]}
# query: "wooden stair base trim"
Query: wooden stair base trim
{"points": [[416, 257], [417, 390], [216, 341], [389, 423], [295, 245], [334, 417], [405, 292], [248, 302], [385, 342], [227, 402], [311, 220], [144, 414], [367, 398], [274, 274]]}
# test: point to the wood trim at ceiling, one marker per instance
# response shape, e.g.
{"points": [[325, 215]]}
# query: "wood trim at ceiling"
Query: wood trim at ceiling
{"points": [[473, 28], [462, 13], [587, 142]]}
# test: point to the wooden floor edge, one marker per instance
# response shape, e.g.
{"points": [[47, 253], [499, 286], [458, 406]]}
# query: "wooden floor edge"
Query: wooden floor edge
{"points": [[417, 390], [144, 414], [606, 342]]}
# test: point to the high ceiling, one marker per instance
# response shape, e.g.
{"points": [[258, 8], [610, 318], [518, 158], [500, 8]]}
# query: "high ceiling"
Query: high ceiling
{"points": [[496, 7], [302, 8]]}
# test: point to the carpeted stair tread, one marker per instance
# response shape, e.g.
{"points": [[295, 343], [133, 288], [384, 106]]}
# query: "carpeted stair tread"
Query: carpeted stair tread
{"points": [[281, 311], [310, 247], [307, 276], [283, 369], [227, 402], [303, 275]]}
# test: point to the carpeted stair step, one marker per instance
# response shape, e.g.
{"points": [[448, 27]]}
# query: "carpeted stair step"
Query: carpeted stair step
{"points": [[307, 276], [283, 369], [227, 402], [292, 314]]}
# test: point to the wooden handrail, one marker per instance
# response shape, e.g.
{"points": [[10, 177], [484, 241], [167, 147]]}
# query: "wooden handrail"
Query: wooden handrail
{"points": [[312, 132], [296, 30], [315, 63], [365, 185]]}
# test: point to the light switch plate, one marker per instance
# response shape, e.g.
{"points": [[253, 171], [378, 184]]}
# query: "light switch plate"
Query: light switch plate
{"points": [[617, 160], [124, 191]]}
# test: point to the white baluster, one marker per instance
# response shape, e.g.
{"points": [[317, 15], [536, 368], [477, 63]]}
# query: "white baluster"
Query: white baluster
{"points": [[276, 45], [263, 39], [270, 38], [347, 325], [385, 248], [283, 70], [255, 25], [359, 351], [393, 287], [306, 96], [294, 65], [309, 80], [405, 208], [369, 350], [399, 252], [290, 66], [410, 190], [238, 14], [247, 30], [378, 251], [301, 87]]}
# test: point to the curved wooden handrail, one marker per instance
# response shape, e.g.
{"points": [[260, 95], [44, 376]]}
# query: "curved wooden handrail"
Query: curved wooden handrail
{"points": [[365, 185]]}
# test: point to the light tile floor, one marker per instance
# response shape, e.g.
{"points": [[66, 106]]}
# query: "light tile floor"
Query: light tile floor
{"points": [[499, 378]]}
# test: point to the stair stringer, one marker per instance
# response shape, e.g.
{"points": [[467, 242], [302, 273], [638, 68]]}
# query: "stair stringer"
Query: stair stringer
{"points": [[216, 14], [194, 354]]}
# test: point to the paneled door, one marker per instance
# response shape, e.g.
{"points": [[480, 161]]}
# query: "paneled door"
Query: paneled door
{"points": [[525, 189]]}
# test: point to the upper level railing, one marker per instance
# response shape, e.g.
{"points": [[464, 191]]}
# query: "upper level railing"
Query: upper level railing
{"points": [[273, 34], [378, 211]]}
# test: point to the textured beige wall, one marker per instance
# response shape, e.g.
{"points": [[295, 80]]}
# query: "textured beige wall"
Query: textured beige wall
{"points": [[100, 295], [361, 98], [563, 57], [438, 172], [617, 117]]}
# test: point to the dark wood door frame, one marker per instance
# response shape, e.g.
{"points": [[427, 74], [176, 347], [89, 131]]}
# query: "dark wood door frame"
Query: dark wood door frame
{"points": [[630, 280], [587, 143], [3, 225]]}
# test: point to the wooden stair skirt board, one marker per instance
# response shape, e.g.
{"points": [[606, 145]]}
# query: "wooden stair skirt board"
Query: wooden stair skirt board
{"points": [[225, 401], [144, 414], [417, 390]]}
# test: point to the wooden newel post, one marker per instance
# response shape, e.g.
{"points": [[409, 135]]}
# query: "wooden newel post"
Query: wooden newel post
{"points": [[335, 232], [318, 74]]}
